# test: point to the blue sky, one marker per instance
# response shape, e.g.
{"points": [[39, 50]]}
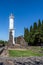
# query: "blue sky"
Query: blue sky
{"points": [[26, 12]]}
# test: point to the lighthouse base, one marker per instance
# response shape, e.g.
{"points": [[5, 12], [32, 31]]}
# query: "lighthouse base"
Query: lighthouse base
{"points": [[11, 42]]}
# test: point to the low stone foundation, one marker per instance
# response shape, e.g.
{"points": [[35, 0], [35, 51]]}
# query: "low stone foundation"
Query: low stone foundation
{"points": [[21, 61]]}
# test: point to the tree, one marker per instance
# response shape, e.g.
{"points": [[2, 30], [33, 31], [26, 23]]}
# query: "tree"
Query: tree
{"points": [[26, 34], [42, 26], [37, 40], [39, 25], [3, 43], [34, 27], [35, 35], [31, 28]]}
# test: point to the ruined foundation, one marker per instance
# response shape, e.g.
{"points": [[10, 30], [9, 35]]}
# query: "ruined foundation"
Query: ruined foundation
{"points": [[21, 61]]}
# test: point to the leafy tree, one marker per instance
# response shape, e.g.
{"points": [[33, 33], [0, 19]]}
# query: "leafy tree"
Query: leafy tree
{"points": [[35, 35], [26, 34], [35, 26], [31, 28], [3, 42], [37, 39], [42, 25], [39, 25]]}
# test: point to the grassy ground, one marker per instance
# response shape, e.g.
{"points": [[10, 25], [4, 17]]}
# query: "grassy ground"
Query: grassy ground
{"points": [[33, 51]]}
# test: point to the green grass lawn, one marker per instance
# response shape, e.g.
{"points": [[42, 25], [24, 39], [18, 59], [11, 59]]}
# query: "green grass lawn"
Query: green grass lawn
{"points": [[23, 53]]}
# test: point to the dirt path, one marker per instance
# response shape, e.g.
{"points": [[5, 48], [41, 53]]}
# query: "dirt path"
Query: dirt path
{"points": [[16, 49], [5, 53]]}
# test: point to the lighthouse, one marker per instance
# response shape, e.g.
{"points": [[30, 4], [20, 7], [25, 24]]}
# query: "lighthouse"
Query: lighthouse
{"points": [[11, 30]]}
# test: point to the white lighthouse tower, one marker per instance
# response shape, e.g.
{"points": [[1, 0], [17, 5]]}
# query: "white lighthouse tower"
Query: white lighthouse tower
{"points": [[11, 30]]}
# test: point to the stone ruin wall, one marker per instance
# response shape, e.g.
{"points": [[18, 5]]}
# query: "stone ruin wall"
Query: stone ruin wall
{"points": [[21, 61]]}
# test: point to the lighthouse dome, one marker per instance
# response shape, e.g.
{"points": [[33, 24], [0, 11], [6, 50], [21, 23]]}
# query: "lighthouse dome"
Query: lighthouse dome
{"points": [[11, 16]]}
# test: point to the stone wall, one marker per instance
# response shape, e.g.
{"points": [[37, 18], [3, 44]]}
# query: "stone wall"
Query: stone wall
{"points": [[21, 61], [20, 40], [10, 42]]}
